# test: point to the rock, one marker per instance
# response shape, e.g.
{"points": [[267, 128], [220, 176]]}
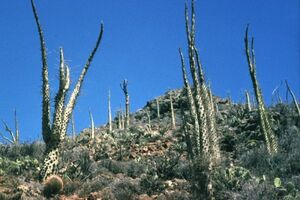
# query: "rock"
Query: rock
{"points": [[144, 197], [73, 197]]}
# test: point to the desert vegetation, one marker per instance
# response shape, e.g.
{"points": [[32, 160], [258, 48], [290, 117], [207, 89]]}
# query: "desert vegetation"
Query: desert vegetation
{"points": [[185, 144]]}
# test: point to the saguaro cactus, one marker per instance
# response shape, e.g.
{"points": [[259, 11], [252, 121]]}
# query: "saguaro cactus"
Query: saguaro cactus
{"points": [[271, 140], [55, 132], [124, 87]]}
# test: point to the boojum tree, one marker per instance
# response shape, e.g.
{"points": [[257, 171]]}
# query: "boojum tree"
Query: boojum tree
{"points": [[265, 126], [54, 132], [124, 87], [201, 106]]}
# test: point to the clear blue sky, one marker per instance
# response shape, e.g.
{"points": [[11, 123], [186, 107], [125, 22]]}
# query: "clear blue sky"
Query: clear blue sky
{"points": [[140, 43]]}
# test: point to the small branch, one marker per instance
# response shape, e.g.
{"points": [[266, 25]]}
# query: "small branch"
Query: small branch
{"points": [[9, 131], [92, 126], [109, 113], [73, 127], [6, 138], [294, 97], [157, 108], [248, 102], [17, 132], [172, 113]]}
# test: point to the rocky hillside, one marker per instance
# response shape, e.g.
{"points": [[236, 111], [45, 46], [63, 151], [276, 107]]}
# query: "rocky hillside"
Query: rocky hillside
{"points": [[149, 160]]}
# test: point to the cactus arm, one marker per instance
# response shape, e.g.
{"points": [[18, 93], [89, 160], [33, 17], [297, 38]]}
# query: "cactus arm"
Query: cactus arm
{"points": [[70, 106], [199, 67], [17, 132], [193, 20], [46, 130], [73, 127], [211, 121], [197, 135], [64, 84], [200, 110], [186, 134]]}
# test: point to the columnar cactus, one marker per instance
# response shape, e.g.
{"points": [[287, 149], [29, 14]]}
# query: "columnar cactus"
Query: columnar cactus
{"points": [[198, 99], [270, 138], [192, 110], [124, 87], [201, 105], [204, 107], [55, 132]]}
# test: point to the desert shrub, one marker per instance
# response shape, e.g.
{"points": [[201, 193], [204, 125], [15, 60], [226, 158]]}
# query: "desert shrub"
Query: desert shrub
{"points": [[258, 191], [13, 152], [285, 162], [113, 166], [130, 168], [71, 187], [182, 169], [230, 178], [166, 165], [135, 169], [75, 163], [151, 183], [94, 185], [258, 160], [290, 143], [125, 189], [26, 166], [178, 195], [200, 178], [265, 190]]}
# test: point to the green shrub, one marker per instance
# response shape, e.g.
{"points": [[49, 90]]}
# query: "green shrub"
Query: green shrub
{"points": [[125, 189], [21, 166]]}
